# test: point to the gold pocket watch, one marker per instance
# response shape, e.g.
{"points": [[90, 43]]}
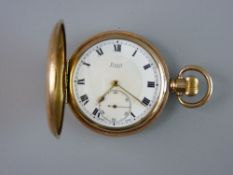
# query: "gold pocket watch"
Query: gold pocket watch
{"points": [[116, 82]]}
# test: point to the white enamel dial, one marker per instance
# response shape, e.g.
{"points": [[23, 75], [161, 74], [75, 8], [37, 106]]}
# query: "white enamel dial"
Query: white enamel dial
{"points": [[116, 83]]}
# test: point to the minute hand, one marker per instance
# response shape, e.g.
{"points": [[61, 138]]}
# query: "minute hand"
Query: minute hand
{"points": [[130, 94]]}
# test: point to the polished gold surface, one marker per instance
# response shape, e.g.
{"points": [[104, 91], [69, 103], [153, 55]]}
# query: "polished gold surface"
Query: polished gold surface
{"points": [[56, 79], [178, 85], [157, 108], [189, 86], [192, 86]]}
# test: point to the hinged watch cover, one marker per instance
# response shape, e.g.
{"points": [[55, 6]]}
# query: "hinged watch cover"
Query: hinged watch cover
{"points": [[56, 79]]}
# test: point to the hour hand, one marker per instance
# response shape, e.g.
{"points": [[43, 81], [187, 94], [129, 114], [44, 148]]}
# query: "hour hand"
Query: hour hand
{"points": [[101, 99], [114, 84]]}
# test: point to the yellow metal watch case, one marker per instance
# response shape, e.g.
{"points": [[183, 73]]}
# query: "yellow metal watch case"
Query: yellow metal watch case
{"points": [[60, 73], [57, 78]]}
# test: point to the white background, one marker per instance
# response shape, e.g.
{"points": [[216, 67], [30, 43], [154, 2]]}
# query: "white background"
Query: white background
{"points": [[181, 142]]}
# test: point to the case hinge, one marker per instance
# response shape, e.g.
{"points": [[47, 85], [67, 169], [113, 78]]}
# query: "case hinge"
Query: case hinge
{"points": [[67, 82]]}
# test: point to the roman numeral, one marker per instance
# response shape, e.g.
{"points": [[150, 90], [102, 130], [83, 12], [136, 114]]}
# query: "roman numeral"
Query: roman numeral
{"points": [[84, 99], [132, 115], [96, 112], [99, 51], [150, 84], [86, 64], [135, 52], [147, 66], [145, 101], [117, 47], [80, 81]]}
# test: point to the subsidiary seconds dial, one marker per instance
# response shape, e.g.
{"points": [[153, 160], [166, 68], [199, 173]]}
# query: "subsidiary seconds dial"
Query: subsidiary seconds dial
{"points": [[116, 83]]}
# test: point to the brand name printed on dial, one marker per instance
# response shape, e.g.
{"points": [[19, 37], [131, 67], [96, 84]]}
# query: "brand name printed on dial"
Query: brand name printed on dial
{"points": [[116, 65]]}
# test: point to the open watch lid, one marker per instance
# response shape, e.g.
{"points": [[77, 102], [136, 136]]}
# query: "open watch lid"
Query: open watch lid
{"points": [[56, 79]]}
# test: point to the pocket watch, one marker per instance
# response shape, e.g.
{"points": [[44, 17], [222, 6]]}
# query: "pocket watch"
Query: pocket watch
{"points": [[116, 82]]}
